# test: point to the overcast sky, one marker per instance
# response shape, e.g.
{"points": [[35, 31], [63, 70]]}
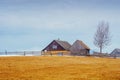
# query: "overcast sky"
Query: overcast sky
{"points": [[33, 24]]}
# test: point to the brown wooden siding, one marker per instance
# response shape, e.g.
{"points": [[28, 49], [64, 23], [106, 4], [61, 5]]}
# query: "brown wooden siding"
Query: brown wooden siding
{"points": [[80, 52], [56, 53]]}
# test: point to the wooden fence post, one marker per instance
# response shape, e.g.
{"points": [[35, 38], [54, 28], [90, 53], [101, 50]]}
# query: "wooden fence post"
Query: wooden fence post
{"points": [[24, 53], [6, 52]]}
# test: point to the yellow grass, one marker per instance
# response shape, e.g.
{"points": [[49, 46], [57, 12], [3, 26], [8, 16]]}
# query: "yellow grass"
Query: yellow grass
{"points": [[56, 52], [59, 68]]}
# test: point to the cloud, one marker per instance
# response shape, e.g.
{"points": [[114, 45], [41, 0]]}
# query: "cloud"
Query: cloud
{"points": [[26, 24], [64, 14], [48, 21]]}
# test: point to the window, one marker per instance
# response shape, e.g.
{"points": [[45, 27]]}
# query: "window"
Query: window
{"points": [[54, 46]]}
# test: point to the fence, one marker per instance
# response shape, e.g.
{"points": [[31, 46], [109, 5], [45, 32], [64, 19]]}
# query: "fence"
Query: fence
{"points": [[21, 53]]}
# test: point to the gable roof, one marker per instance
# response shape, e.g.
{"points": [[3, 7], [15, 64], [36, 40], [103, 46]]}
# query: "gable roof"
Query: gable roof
{"points": [[79, 43], [64, 44], [116, 51]]}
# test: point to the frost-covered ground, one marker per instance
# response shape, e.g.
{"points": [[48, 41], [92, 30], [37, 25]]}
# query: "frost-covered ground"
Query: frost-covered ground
{"points": [[25, 53]]}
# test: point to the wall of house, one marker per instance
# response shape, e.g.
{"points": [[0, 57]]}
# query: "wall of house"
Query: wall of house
{"points": [[80, 52], [56, 53]]}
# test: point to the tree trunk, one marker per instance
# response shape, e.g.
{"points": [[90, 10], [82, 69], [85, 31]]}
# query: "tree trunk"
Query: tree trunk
{"points": [[101, 49]]}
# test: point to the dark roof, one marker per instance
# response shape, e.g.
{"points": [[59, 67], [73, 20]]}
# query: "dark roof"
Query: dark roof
{"points": [[64, 44], [117, 50]]}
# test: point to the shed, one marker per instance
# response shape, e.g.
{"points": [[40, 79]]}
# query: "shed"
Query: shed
{"points": [[115, 53], [79, 48]]}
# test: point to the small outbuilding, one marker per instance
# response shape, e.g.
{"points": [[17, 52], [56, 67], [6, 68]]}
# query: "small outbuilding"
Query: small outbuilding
{"points": [[115, 53], [79, 48]]}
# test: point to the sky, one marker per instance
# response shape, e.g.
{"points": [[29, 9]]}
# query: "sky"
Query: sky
{"points": [[33, 24]]}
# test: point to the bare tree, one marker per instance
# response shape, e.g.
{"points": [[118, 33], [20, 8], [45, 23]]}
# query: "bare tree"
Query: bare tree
{"points": [[102, 36]]}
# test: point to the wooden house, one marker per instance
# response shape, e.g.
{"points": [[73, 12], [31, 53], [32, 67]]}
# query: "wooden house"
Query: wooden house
{"points": [[115, 53], [57, 47], [79, 48]]}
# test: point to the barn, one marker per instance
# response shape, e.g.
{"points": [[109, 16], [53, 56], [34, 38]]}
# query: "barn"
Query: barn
{"points": [[57, 47], [79, 48], [115, 53]]}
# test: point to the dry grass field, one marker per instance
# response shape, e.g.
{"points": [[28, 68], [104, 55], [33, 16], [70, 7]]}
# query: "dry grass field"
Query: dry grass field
{"points": [[59, 68]]}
